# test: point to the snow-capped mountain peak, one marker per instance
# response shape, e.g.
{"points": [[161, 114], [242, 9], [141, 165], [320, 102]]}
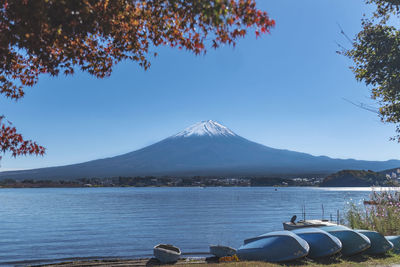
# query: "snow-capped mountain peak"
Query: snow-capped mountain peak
{"points": [[206, 128]]}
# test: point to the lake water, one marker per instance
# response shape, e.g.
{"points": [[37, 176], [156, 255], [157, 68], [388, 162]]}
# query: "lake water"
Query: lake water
{"points": [[46, 225]]}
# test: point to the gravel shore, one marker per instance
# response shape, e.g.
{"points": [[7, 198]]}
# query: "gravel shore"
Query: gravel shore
{"points": [[133, 262]]}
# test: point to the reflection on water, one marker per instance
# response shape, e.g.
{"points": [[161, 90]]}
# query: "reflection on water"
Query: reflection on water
{"points": [[63, 223]]}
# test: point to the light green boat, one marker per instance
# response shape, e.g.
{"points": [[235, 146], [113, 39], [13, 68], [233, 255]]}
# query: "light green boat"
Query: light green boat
{"points": [[395, 239], [379, 244]]}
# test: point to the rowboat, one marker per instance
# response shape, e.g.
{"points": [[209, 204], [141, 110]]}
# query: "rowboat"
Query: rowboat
{"points": [[274, 247], [322, 244], [222, 251], [395, 239], [379, 244], [307, 223], [166, 253], [352, 242]]}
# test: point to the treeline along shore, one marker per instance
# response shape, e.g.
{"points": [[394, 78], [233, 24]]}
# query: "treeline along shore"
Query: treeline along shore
{"points": [[150, 181], [344, 178]]}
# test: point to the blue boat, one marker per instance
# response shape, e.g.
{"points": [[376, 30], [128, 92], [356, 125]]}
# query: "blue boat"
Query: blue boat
{"points": [[395, 239], [379, 244], [274, 247], [352, 242], [322, 244]]}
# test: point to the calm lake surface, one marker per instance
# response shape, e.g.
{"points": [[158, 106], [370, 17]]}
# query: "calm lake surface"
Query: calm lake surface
{"points": [[43, 224]]}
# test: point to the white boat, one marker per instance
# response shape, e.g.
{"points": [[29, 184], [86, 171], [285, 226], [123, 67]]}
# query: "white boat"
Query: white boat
{"points": [[222, 251], [166, 253], [307, 223]]}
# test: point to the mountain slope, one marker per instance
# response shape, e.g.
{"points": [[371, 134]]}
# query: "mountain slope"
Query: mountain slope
{"points": [[206, 148]]}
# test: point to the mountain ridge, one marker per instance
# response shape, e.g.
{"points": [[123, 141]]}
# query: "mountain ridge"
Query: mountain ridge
{"points": [[203, 149]]}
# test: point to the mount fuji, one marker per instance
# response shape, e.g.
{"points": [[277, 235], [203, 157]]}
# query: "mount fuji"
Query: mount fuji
{"points": [[206, 148]]}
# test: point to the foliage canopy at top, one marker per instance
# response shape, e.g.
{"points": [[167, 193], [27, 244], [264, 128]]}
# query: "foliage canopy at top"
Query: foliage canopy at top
{"points": [[376, 56]]}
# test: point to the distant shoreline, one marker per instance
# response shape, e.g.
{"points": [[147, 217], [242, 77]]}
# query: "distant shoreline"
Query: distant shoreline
{"points": [[162, 182], [273, 186], [345, 178]]}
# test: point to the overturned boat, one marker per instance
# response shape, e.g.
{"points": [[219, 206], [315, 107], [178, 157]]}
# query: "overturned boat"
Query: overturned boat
{"points": [[274, 247], [322, 244], [166, 253], [379, 244], [222, 251], [352, 241], [395, 240]]}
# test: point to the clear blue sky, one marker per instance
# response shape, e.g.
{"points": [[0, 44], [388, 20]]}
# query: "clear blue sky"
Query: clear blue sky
{"points": [[283, 90]]}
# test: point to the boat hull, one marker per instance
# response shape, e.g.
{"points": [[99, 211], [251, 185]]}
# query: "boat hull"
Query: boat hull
{"points": [[352, 242], [322, 244], [222, 251], [166, 253], [306, 224], [274, 247], [379, 244], [395, 240]]}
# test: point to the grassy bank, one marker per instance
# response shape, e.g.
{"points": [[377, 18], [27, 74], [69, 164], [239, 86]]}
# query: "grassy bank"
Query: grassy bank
{"points": [[360, 260]]}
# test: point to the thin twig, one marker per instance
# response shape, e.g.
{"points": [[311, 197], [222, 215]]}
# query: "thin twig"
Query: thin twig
{"points": [[363, 106], [344, 34]]}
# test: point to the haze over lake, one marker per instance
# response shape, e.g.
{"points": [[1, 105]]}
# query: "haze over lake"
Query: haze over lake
{"points": [[53, 224]]}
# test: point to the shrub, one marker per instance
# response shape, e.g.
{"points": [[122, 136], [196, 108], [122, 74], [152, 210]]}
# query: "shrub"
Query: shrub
{"points": [[380, 213]]}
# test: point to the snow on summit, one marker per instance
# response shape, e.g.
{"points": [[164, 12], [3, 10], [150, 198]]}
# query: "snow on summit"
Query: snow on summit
{"points": [[206, 128]]}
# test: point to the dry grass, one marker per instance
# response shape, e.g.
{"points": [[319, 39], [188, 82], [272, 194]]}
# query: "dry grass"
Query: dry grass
{"points": [[360, 260]]}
